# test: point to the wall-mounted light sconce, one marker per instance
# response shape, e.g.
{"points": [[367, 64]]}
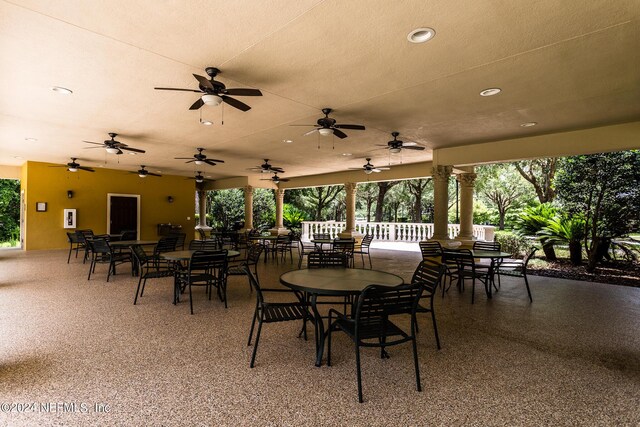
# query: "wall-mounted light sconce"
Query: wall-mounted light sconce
{"points": [[70, 194], [170, 199]]}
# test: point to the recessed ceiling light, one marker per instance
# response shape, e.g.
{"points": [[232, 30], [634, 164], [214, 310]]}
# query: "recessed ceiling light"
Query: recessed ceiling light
{"points": [[31, 139], [62, 90], [528, 124], [421, 35], [347, 154], [491, 91], [206, 122], [287, 141], [17, 157]]}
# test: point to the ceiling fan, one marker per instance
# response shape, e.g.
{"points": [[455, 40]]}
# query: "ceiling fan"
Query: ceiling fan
{"points": [[215, 92], [275, 178], [112, 146], [142, 172], [396, 145], [74, 166], [327, 126], [200, 179], [266, 168], [369, 168], [200, 159]]}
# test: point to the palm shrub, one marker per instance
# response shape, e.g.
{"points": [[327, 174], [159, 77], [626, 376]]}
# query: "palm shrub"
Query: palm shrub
{"points": [[532, 220], [566, 229], [292, 216]]}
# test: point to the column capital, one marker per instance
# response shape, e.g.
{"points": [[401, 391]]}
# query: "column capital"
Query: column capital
{"points": [[280, 193], [467, 179], [441, 173], [248, 189], [350, 187]]}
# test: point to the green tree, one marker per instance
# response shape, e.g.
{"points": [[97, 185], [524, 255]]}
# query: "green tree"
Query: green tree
{"points": [[383, 188], [417, 188], [540, 173], [605, 188], [366, 195], [225, 207], [264, 208], [9, 209], [503, 189]]}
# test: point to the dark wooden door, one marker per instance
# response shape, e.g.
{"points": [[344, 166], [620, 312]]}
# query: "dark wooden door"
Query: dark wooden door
{"points": [[124, 214]]}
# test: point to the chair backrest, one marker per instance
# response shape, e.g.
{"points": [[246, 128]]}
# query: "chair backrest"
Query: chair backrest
{"points": [[321, 236], [344, 245], [377, 302], [129, 235], [461, 257], [73, 237], [253, 281], [203, 235], [366, 240], [529, 256], [430, 249], [253, 254], [282, 240], [139, 254], [180, 238], [214, 263], [166, 244], [428, 274], [324, 259], [99, 245], [486, 246], [205, 245], [86, 234]]}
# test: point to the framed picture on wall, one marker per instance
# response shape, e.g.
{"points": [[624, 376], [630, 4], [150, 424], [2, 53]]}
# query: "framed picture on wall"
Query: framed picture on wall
{"points": [[69, 218], [41, 206]]}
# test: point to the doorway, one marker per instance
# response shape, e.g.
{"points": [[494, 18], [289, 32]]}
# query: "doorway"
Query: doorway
{"points": [[123, 213]]}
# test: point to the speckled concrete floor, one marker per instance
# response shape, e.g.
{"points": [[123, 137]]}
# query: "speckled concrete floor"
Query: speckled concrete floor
{"points": [[570, 358]]}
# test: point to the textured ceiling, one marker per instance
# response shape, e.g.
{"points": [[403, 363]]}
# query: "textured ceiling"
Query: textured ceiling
{"points": [[565, 65]]}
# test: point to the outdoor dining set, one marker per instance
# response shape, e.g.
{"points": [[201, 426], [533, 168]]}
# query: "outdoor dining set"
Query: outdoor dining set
{"points": [[330, 294]]}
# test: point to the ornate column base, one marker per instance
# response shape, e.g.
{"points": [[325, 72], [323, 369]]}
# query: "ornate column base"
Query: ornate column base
{"points": [[348, 234], [276, 231]]}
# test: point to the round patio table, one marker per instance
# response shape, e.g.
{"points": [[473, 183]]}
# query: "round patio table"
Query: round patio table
{"points": [[494, 256], [333, 282], [185, 255]]}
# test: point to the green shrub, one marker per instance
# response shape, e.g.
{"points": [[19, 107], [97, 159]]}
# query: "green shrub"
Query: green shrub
{"points": [[514, 243]]}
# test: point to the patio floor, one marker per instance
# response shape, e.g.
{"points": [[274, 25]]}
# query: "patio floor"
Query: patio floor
{"points": [[572, 357]]}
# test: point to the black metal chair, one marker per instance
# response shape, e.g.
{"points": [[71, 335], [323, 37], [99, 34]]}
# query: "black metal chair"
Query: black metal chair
{"points": [[304, 249], [431, 249], [466, 270], [180, 238], [282, 246], [428, 274], [165, 244], [516, 268], [146, 270], [324, 259], [77, 242], [363, 249], [346, 246], [370, 325], [101, 253], [129, 235], [237, 268], [487, 264], [205, 245], [481, 245], [267, 312], [208, 269], [83, 236]]}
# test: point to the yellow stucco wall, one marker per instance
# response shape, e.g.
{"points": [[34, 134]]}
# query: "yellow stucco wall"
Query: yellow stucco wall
{"points": [[42, 183]]}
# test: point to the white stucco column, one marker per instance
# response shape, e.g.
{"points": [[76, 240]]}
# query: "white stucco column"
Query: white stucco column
{"points": [[202, 208], [441, 202], [467, 182], [279, 228], [248, 207], [351, 189]]}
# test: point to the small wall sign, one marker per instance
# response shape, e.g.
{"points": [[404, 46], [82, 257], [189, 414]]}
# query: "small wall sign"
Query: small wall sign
{"points": [[41, 206], [69, 218]]}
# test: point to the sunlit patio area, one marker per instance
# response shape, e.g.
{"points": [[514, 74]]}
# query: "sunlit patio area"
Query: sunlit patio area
{"points": [[568, 358]]}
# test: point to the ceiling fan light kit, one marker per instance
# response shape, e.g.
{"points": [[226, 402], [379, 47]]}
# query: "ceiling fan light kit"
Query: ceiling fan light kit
{"points": [[325, 131], [212, 100]]}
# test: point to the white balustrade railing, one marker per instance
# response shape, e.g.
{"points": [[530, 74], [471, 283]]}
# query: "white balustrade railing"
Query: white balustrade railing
{"points": [[390, 231]]}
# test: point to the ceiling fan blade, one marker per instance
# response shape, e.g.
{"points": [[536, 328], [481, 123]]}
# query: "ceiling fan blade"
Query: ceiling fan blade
{"points": [[384, 169], [235, 103], [376, 170], [183, 158], [413, 147], [243, 92], [339, 133], [88, 148], [278, 170], [343, 126], [310, 132], [210, 162], [189, 161], [91, 142], [196, 105], [216, 160], [153, 174], [59, 166], [355, 169], [303, 125], [175, 88], [204, 82], [284, 179], [137, 150], [84, 168], [408, 143]]}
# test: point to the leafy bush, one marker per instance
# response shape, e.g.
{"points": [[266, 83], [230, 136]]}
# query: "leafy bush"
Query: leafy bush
{"points": [[516, 244], [293, 217], [566, 229], [535, 218]]}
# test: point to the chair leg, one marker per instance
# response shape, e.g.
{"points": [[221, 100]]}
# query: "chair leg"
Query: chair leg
{"points": [[90, 270], [370, 265], [253, 324], [255, 345], [358, 373], [190, 297], [526, 282], [69, 256], [138, 290], [473, 289], [329, 341], [415, 360], [435, 325]]}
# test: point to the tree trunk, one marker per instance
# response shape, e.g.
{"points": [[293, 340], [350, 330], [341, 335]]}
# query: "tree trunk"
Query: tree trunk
{"points": [[501, 221], [549, 252], [599, 250], [575, 252]]}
